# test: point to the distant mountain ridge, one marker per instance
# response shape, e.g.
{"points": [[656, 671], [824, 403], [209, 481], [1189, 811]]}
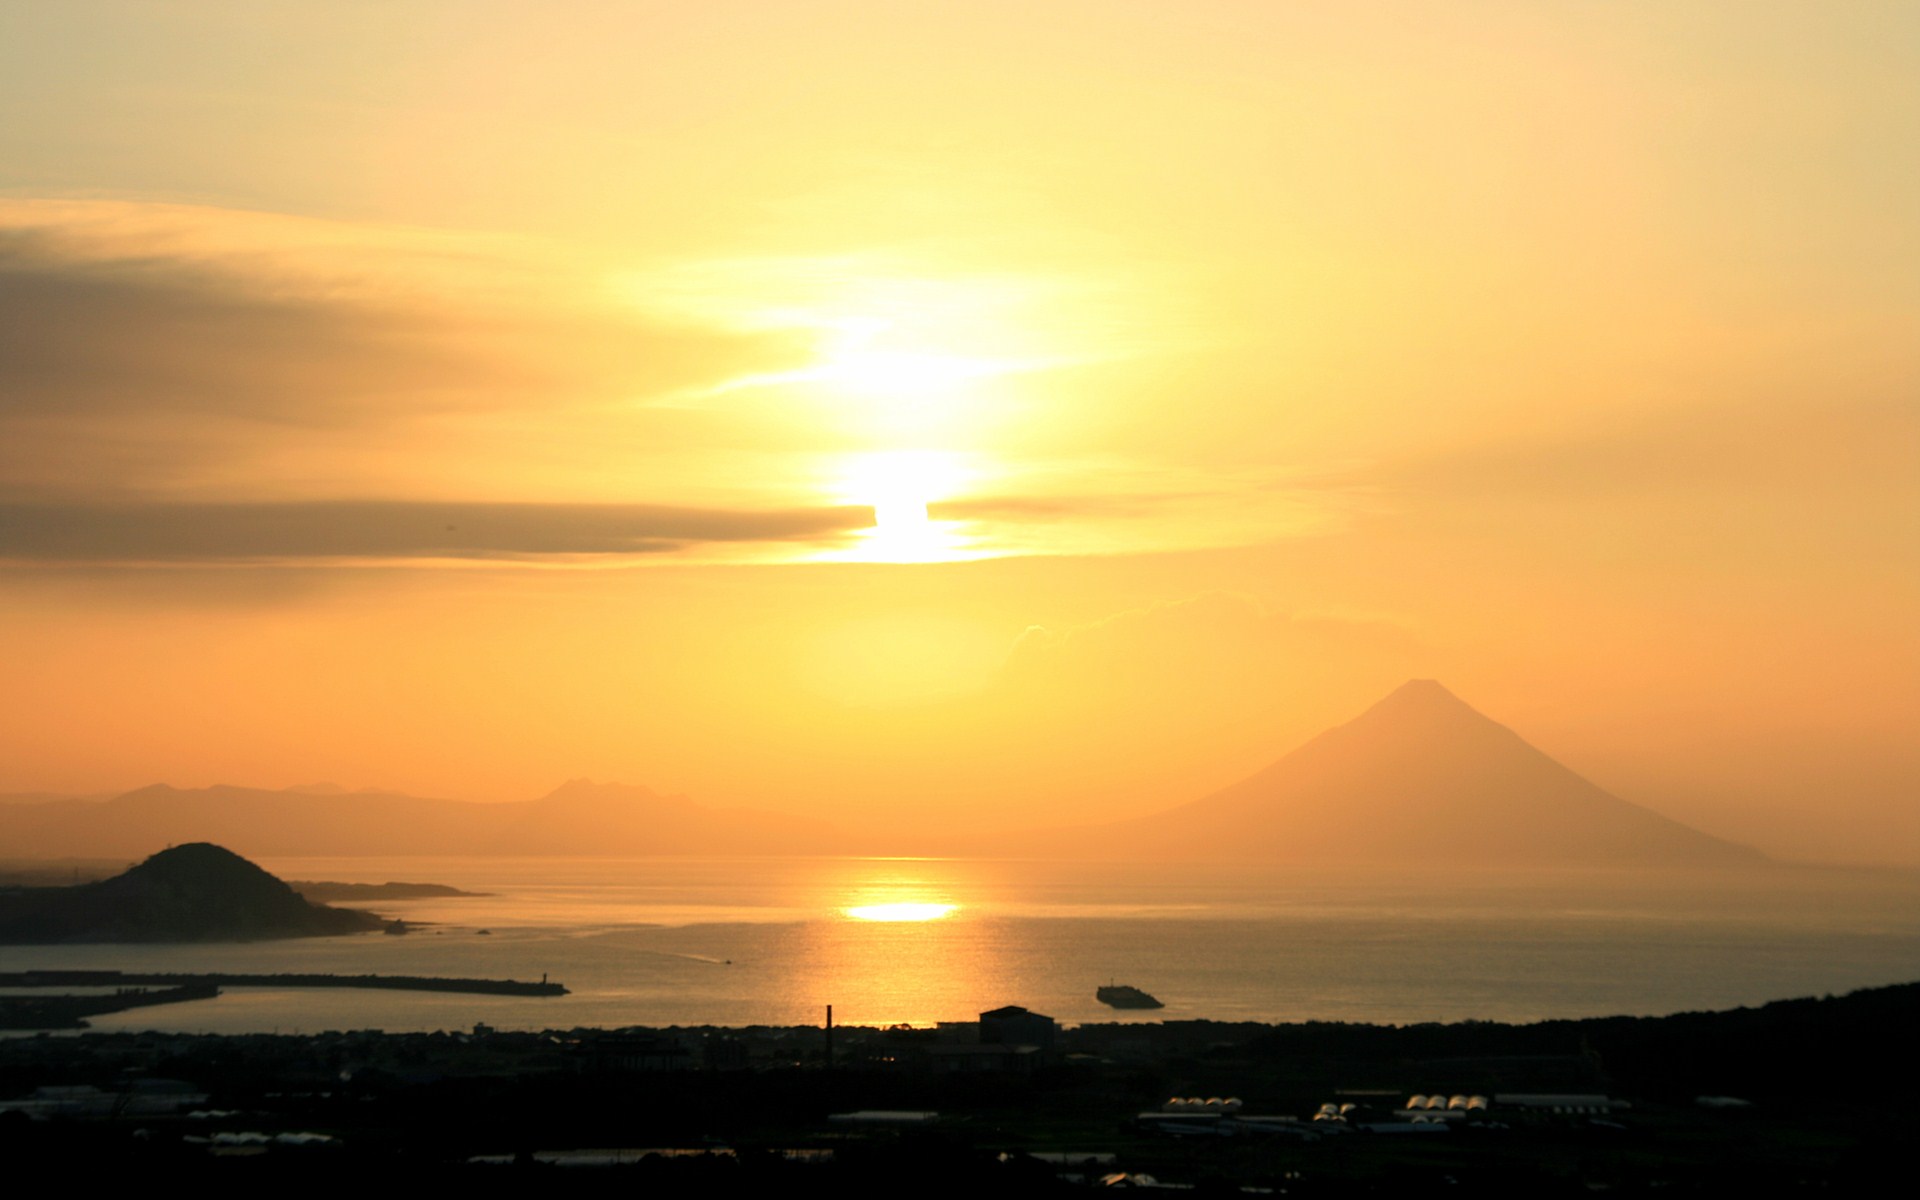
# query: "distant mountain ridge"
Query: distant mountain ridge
{"points": [[192, 893], [578, 818], [1419, 779]]}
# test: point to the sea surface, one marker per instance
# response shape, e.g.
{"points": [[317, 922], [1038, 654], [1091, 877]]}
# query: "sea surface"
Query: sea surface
{"points": [[665, 942]]}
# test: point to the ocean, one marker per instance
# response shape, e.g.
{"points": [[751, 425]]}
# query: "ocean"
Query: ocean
{"points": [[666, 942]]}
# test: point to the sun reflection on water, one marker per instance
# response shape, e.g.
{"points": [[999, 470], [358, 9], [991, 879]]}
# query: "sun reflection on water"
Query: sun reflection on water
{"points": [[909, 942], [900, 911]]}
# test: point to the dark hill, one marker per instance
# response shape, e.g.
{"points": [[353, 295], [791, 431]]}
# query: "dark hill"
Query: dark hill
{"points": [[1419, 780], [193, 893]]}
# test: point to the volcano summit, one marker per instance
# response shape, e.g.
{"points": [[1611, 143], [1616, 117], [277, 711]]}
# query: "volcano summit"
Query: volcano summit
{"points": [[1419, 779]]}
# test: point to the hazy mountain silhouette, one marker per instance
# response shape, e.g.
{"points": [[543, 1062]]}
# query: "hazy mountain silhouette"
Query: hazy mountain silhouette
{"points": [[578, 818], [1419, 779], [192, 893], [584, 817]]}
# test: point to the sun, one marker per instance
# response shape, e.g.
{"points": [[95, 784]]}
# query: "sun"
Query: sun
{"points": [[899, 485]]}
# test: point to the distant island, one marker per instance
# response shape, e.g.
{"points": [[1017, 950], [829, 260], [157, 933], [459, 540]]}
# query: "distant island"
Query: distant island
{"points": [[193, 893]]}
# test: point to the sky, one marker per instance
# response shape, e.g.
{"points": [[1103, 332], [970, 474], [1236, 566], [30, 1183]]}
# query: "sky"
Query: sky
{"points": [[958, 416]]}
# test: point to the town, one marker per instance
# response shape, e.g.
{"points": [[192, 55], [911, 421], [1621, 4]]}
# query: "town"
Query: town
{"points": [[1792, 1096]]}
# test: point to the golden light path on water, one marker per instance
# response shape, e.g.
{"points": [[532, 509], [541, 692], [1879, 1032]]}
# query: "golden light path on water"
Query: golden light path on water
{"points": [[740, 942], [899, 891], [900, 911]]}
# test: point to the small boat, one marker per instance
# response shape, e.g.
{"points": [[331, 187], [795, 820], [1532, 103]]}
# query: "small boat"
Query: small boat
{"points": [[1119, 995]]}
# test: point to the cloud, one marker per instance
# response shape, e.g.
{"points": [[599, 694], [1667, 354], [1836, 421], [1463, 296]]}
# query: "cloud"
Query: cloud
{"points": [[392, 530], [93, 325], [1057, 508], [87, 338], [1823, 490], [151, 339], [1154, 509], [1752, 448]]}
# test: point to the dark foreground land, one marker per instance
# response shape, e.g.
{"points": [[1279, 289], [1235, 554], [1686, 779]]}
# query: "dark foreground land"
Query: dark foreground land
{"points": [[1798, 1097]]}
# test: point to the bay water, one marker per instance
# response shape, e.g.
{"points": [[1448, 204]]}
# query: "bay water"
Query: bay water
{"points": [[666, 942]]}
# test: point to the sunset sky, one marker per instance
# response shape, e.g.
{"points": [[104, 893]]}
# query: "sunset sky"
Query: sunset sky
{"points": [[960, 416]]}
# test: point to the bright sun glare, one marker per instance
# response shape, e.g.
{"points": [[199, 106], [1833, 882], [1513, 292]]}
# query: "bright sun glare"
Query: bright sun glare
{"points": [[898, 374], [929, 371], [900, 365], [878, 359]]}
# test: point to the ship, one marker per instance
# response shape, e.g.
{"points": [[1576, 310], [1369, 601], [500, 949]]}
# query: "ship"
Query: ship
{"points": [[1119, 995]]}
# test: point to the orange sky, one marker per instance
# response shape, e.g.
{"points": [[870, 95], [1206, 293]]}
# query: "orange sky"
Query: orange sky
{"points": [[935, 415]]}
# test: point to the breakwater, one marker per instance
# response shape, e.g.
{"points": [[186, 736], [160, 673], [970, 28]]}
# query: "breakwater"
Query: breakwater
{"points": [[407, 983]]}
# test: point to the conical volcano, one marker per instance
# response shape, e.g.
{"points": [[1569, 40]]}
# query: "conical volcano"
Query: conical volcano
{"points": [[1422, 779]]}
